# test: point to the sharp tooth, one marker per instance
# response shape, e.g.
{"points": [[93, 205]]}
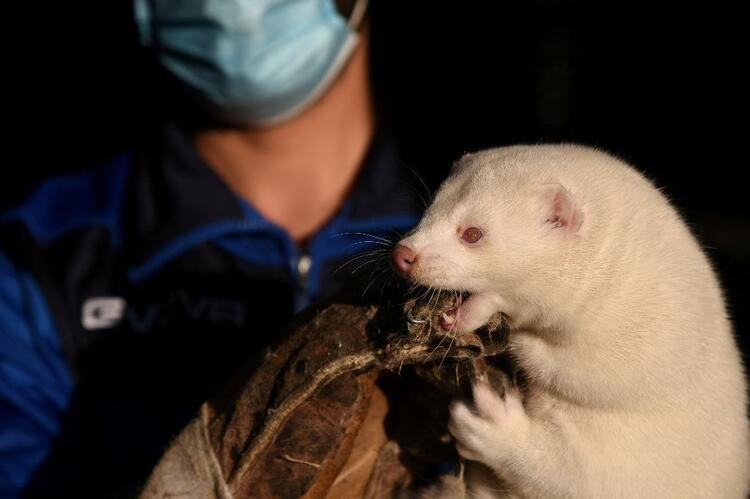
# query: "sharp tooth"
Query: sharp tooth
{"points": [[448, 319]]}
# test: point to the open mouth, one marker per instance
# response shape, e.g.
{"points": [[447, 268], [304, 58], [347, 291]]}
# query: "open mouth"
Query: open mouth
{"points": [[445, 313], [440, 307], [436, 309], [449, 316]]}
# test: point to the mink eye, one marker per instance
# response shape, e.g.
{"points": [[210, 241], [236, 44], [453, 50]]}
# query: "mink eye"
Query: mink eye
{"points": [[471, 235]]}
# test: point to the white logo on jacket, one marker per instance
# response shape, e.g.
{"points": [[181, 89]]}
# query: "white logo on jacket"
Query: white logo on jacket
{"points": [[102, 312]]}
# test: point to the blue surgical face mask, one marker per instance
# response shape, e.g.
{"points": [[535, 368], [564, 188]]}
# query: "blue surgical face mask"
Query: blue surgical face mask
{"points": [[255, 62]]}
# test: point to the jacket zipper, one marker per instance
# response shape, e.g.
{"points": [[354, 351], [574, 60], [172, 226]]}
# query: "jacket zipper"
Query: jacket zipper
{"points": [[302, 297]]}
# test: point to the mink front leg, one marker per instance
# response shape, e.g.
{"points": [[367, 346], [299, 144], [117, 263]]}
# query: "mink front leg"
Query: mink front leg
{"points": [[537, 460]]}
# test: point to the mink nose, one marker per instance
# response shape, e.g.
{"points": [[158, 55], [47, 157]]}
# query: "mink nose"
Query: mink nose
{"points": [[403, 259]]}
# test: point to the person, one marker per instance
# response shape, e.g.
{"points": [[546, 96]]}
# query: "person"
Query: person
{"points": [[131, 293]]}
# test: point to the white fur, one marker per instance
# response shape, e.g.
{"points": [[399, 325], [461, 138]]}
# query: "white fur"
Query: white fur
{"points": [[636, 387]]}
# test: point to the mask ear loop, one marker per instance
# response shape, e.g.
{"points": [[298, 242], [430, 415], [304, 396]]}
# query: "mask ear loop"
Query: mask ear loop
{"points": [[358, 13]]}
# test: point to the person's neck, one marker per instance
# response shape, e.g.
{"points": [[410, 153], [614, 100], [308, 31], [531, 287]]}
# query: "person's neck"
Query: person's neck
{"points": [[297, 174]]}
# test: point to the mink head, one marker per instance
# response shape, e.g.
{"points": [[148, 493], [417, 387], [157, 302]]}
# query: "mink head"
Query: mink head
{"points": [[500, 221]]}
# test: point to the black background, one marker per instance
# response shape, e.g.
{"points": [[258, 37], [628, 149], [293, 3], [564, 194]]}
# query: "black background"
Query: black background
{"points": [[663, 87]]}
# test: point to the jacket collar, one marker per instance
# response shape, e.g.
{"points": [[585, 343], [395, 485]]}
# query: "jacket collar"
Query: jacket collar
{"points": [[177, 201]]}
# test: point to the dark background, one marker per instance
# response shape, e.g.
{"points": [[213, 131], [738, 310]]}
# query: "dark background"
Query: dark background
{"points": [[664, 88]]}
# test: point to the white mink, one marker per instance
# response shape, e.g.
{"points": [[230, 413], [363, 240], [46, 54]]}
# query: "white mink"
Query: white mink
{"points": [[635, 384]]}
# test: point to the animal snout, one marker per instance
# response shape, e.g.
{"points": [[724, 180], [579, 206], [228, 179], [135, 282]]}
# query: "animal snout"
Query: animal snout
{"points": [[403, 259]]}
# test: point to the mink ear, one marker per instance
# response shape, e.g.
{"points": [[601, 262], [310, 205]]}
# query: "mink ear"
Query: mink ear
{"points": [[560, 209]]}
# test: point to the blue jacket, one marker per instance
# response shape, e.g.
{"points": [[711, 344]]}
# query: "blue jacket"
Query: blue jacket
{"points": [[129, 294]]}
